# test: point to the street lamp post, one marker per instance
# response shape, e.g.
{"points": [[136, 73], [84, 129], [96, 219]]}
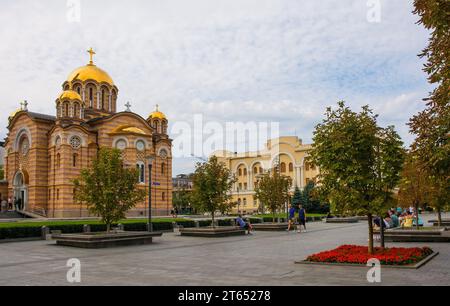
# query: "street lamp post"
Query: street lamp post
{"points": [[150, 164]]}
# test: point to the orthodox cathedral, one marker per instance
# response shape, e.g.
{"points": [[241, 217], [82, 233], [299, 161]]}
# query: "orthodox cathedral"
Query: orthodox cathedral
{"points": [[44, 153]]}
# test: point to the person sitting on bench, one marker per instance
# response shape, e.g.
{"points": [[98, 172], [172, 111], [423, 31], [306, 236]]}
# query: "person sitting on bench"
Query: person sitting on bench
{"points": [[244, 225]]}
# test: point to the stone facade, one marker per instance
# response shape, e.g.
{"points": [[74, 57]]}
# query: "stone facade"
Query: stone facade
{"points": [[288, 152], [45, 153]]}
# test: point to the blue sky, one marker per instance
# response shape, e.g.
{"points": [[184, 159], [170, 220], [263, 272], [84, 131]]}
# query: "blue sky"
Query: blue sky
{"points": [[228, 60]]}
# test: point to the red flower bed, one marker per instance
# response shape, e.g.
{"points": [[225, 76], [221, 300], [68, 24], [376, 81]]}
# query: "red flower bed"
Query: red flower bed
{"points": [[356, 254]]}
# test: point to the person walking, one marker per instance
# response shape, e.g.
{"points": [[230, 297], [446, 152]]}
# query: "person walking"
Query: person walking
{"points": [[301, 218], [291, 221], [4, 205], [10, 204]]}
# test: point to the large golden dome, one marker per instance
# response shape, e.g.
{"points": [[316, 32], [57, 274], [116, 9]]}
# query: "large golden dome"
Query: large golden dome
{"points": [[90, 72]]}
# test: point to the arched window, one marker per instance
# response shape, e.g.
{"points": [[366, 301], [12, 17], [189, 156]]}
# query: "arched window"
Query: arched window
{"points": [[74, 160], [260, 170], [283, 167], [76, 110], [163, 168], [245, 201], [141, 170], [163, 196], [240, 172], [156, 126], [75, 142], [313, 167], [103, 104], [58, 160], [307, 166], [245, 171], [255, 170], [291, 167], [66, 110], [91, 97]]}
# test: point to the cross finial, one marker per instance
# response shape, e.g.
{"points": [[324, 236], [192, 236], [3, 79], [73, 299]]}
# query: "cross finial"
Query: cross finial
{"points": [[157, 107], [91, 56], [24, 105], [128, 106]]}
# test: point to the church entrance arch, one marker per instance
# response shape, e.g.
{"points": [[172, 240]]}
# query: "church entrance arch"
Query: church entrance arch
{"points": [[20, 189]]}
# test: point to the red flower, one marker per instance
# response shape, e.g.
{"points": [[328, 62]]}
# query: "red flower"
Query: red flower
{"points": [[359, 255]]}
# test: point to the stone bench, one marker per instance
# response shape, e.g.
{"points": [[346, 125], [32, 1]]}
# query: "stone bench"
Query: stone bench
{"points": [[342, 220], [210, 232], [105, 240]]}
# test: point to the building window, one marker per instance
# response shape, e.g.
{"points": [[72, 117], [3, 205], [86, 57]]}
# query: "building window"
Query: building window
{"points": [[74, 160], [141, 170], [240, 172], [103, 99], [75, 142], [283, 167], [140, 145], [163, 196], [245, 171], [291, 167], [245, 186], [255, 170], [245, 202], [58, 160], [121, 144], [91, 97], [163, 168], [307, 166]]}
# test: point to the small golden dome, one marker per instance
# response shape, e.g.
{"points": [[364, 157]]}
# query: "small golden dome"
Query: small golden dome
{"points": [[90, 72], [70, 95], [157, 114], [14, 113]]}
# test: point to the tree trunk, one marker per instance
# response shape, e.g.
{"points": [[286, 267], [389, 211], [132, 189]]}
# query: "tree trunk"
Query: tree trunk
{"points": [[382, 244], [273, 216], [370, 222], [108, 228], [213, 220], [439, 216]]}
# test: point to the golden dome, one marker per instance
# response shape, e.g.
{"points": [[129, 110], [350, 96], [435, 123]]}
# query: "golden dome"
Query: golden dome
{"points": [[125, 128], [90, 72], [14, 113], [157, 114], [70, 95]]}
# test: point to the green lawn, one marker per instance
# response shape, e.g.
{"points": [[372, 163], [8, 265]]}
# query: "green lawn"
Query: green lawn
{"points": [[89, 222]]}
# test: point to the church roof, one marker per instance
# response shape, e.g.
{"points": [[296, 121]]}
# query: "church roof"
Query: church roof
{"points": [[42, 116]]}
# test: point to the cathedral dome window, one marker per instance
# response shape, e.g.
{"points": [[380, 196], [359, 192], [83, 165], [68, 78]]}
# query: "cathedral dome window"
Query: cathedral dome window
{"points": [[25, 146], [75, 142]]}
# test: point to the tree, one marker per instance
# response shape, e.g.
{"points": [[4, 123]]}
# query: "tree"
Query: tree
{"points": [[357, 173], [108, 188], [272, 190], [415, 188], [432, 126], [212, 182], [2, 172], [297, 198], [310, 200], [181, 198]]}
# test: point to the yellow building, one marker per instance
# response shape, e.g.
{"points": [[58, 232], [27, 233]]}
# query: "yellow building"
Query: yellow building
{"points": [[288, 152]]}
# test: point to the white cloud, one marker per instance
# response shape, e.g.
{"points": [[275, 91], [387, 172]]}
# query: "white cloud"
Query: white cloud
{"points": [[249, 60]]}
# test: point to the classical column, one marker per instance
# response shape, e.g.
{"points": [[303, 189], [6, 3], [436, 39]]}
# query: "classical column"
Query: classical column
{"points": [[110, 100], [98, 98], [83, 90]]}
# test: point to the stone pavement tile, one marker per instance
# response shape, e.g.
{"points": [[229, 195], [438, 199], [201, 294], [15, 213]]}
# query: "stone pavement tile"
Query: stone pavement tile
{"points": [[261, 259]]}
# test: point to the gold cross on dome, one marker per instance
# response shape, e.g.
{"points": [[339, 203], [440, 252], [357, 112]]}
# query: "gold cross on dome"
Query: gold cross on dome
{"points": [[157, 107], [91, 56]]}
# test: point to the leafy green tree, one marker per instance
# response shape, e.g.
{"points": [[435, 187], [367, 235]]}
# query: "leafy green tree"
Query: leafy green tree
{"points": [[108, 188], [311, 202], [351, 151], [2, 172], [181, 198], [297, 198], [432, 125], [212, 182], [272, 191], [415, 188]]}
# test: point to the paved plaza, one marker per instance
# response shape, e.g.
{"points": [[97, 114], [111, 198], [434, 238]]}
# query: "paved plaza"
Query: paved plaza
{"points": [[261, 259]]}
